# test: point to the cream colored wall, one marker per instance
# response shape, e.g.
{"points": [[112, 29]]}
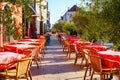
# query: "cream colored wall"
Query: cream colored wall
{"points": [[37, 18]]}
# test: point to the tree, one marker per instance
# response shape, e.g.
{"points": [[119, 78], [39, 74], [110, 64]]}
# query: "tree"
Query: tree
{"points": [[107, 15], [80, 20], [111, 13], [58, 26], [69, 28], [6, 15]]}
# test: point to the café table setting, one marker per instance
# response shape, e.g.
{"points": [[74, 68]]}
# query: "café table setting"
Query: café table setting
{"points": [[15, 50], [109, 54], [14, 65], [109, 59], [7, 57], [17, 47]]}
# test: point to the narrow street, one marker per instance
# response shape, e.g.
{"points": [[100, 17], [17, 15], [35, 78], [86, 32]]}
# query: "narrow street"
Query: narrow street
{"points": [[56, 66]]}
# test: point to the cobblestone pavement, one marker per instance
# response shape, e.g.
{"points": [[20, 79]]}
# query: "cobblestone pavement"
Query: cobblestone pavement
{"points": [[56, 66]]}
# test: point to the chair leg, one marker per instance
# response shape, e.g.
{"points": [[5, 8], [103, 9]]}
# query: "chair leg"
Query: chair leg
{"points": [[111, 76], [102, 77], [75, 60], [90, 70], [26, 75], [39, 59], [17, 78], [36, 61], [69, 52], [81, 62], [63, 48], [29, 73], [43, 52], [91, 78], [86, 72]]}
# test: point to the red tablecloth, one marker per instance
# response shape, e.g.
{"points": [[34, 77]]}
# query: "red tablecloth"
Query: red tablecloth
{"points": [[82, 43], [6, 57], [33, 40], [72, 40], [109, 54], [27, 42], [97, 47], [18, 47]]}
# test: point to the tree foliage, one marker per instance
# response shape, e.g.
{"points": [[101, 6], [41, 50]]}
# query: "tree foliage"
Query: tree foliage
{"points": [[105, 20], [58, 26], [69, 28], [111, 13], [6, 14], [100, 19]]}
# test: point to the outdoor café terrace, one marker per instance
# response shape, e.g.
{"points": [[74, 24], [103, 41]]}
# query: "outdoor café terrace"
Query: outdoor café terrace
{"points": [[59, 60]]}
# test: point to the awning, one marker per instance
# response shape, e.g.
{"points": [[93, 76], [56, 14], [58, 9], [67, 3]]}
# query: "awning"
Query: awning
{"points": [[35, 12], [32, 8]]}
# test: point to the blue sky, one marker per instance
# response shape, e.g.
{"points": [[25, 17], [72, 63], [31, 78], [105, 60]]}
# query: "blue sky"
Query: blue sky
{"points": [[57, 8]]}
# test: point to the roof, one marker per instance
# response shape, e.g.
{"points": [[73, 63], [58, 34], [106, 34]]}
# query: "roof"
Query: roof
{"points": [[74, 8]]}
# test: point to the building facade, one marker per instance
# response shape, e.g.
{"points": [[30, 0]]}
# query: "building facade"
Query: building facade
{"points": [[43, 18], [69, 14]]}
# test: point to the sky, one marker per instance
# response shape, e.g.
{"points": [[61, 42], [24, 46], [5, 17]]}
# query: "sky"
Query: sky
{"points": [[58, 8]]}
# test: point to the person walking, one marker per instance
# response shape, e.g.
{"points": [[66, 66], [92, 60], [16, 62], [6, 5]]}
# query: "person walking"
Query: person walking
{"points": [[48, 34]]}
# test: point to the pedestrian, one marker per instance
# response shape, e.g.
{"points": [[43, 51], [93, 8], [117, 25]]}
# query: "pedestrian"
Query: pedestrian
{"points": [[48, 34]]}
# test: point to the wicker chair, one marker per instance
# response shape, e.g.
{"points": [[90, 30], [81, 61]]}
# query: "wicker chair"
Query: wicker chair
{"points": [[88, 63], [42, 47], [32, 51], [65, 46], [68, 48], [79, 54], [104, 71], [22, 68]]}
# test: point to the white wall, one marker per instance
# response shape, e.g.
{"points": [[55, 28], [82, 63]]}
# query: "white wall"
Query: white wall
{"points": [[68, 16]]}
